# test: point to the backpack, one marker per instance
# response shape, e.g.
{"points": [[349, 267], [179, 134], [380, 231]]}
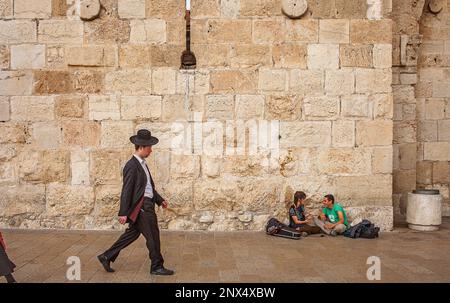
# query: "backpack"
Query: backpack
{"points": [[273, 226], [365, 229]]}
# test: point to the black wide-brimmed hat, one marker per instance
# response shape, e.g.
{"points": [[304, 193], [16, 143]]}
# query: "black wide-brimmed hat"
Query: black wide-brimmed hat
{"points": [[144, 138]]}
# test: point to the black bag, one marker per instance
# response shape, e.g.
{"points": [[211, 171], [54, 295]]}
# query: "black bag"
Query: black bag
{"points": [[278, 229], [364, 229]]}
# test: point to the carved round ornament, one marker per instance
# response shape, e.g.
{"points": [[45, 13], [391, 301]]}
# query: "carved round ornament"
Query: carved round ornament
{"points": [[89, 9], [294, 8], [436, 6]]}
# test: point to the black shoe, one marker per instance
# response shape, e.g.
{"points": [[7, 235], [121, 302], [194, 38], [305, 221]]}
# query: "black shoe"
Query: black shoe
{"points": [[162, 272], [105, 262]]}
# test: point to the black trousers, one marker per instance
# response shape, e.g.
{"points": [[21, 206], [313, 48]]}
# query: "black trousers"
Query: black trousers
{"points": [[146, 224], [6, 265]]}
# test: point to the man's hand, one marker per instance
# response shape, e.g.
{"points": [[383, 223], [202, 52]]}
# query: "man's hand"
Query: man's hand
{"points": [[122, 219], [329, 226], [164, 204]]}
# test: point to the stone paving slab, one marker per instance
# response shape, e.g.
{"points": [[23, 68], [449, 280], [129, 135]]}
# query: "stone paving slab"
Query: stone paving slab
{"points": [[406, 256]]}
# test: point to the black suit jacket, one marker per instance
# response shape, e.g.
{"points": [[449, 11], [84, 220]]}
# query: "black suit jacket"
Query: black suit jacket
{"points": [[133, 189]]}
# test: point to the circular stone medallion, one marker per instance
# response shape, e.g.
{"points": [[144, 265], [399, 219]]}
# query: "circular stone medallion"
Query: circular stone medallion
{"points": [[89, 9], [294, 8]]}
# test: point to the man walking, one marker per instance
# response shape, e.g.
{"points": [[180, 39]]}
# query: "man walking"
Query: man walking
{"points": [[137, 207]]}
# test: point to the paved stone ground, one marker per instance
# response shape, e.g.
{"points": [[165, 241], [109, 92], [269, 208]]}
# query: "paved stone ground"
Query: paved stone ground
{"points": [[406, 256]]}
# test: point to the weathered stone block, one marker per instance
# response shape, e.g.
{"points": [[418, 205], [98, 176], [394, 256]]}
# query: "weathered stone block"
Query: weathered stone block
{"points": [[247, 55], [107, 200], [107, 30], [404, 181], [131, 82], [32, 9], [205, 9], [282, 107], [229, 8], [133, 56], [444, 130], [260, 8], [235, 81], [382, 216], [343, 134], [371, 31], [407, 156], [44, 166], [91, 56], [382, 105], [437, 151], [81, 133], [116, 133], [47, 135], [268, 31], [6, 8], [441, 172], [4, 109], [306, 31], [373, 133], [165, 9], [85, 81], [339, 82], [166, 55], [229, 31], [174, 108], [211, 166], [59, 8], [220, 107], [60, 31], [351, 10], [424, 173], [163, 81], [32, 108], [27, 56], [306, 82], [334, 31], [104, 107], [79, 165], [373, 80], [382, 158], [17, 31], [355, 106], [13, 83], [220, 55], [182, 166], [382, 56], [148, 31], [249, 107], [323, 56], [434, 109], [321, 107], [289, 55], [254, 194], [272, 80], [405, 132], [66, 200], [322, 9], [22, 199], [356, 55], [131, 9], [441, 89], [342, 161], [105, 167], [215, 194], [13, 133], [67, 106], [52, 82], [305, 134], [141, 107], [360, 190], [4, 57], [427, 131]]}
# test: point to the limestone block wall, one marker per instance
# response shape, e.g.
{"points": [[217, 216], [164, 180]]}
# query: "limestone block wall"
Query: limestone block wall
{"points": [[73, 91], [433, 103]]}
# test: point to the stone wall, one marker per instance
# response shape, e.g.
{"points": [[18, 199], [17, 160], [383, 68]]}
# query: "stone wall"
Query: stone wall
{"points": [[73, 91], [421, 94], [433, 101]]}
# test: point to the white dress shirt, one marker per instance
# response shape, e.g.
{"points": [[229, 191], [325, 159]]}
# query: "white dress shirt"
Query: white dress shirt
{"points": [[148, 188]]}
